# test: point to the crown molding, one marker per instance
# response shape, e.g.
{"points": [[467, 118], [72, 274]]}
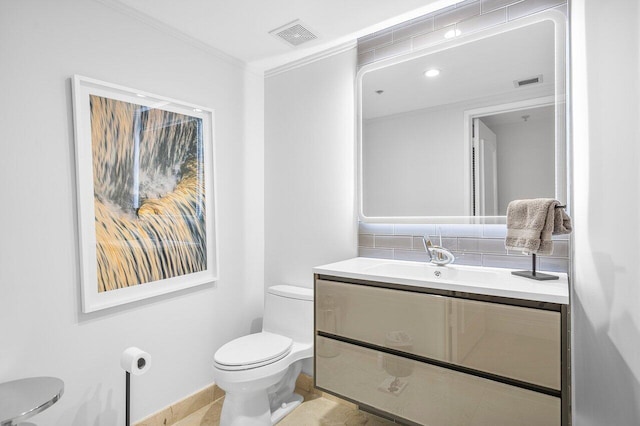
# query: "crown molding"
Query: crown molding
{"points": [[335, 50]]}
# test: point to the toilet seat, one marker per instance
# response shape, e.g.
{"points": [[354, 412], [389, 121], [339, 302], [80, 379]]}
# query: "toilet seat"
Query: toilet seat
{"points": [[252, 351]]}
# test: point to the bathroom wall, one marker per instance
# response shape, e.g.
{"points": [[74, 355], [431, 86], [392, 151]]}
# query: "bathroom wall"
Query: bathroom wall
{"points": [[606, 291], [400, 154], [525, 148], [405, 152], [43, 332], [309, 168], [472, 244], [479, 245], [467, 16]]}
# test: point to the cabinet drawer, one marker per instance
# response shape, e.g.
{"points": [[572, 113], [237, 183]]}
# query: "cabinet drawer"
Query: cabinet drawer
{"points": [[427, 394], [510, 341]]}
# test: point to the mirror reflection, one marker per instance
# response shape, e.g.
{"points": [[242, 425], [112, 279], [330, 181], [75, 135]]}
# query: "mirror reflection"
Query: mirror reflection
{"points": [[513, 157], [463, 129]]}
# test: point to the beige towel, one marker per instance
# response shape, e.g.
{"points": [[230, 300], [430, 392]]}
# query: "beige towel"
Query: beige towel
{"points": [[530, 224], [561, 222]]}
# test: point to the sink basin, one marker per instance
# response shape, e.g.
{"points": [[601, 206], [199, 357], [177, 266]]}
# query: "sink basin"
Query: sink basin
{"points": [[429, 272], [461, 278]]}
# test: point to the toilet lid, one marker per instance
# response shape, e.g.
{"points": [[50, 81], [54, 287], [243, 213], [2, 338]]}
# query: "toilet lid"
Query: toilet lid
{"points": [[253, 350]]}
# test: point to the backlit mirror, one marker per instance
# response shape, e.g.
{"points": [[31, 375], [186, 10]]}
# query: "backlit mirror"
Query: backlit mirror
{"points": [[452, 133]]}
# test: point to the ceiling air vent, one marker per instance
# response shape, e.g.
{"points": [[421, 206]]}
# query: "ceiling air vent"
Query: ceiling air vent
{"points": [[294, 33], [528, 81]]}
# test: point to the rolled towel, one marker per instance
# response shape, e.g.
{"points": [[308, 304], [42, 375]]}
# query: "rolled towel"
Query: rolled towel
{"points": [[531, 223]]}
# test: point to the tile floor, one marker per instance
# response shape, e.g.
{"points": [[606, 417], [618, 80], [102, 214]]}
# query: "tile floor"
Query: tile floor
{"points": [[316, 410]]}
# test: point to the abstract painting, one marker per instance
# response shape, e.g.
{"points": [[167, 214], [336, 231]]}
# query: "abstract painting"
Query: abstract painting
{"points": [[150, 185]]}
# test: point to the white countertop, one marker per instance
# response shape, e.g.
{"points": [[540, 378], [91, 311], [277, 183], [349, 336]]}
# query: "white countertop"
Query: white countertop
{"points": [[469, 279]]}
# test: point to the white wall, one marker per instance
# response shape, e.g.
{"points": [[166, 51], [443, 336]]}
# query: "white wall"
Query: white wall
{"points": [[526, 161], [408, 158], [309, 169], [606, 290], [43, 332]]}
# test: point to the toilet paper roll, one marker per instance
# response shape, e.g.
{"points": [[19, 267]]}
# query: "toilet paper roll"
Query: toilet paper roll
{"points": [[135, 361]]}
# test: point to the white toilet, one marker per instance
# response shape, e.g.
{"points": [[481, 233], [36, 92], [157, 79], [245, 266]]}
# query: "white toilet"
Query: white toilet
{"points": [[258, 372]]}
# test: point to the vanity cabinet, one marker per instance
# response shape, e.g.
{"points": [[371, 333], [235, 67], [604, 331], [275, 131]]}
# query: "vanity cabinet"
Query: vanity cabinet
{"points": [[431, 356]]}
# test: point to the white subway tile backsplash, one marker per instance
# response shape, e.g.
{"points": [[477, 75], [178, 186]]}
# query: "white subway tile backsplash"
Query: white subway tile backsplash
{"points": [[553, 264], [411, 229], [413, 28], [527, 7], [459, 230], [482, 245], [561, 248], [479, 245], [393, 241], [513, 262], [365, 240], [429, 39], [393, 49], [448, 243], [512, 252], [500, 231], [376, 252], [375, 40], [489, 5], [366, 57], [443, 10], [465, 2], [461, 13], [494, 231], [411, 255], [428, 30], [375, 228], [483, 21], [469, 259]]}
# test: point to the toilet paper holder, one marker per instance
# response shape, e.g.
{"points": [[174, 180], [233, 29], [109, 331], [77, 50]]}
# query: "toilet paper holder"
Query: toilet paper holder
{"points": [[133, 361]]}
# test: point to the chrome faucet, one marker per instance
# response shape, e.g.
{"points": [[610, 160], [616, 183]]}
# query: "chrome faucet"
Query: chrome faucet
{"points": [[437, 255], [426, 243]]}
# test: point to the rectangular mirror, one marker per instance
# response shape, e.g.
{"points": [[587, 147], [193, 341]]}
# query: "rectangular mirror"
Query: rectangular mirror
{"points": [[455, 147]]}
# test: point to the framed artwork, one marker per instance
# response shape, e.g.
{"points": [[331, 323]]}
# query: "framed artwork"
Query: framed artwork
{"points": [[146, 198]]}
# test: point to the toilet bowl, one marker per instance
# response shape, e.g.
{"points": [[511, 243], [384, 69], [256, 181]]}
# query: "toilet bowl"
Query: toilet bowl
{"points": [[258, 372]]}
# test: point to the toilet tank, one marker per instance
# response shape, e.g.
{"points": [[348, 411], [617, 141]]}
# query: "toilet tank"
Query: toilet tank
{"points": [[288, 310]]}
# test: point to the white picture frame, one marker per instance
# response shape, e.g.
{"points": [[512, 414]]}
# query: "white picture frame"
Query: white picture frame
{"points": [[145, 194]]}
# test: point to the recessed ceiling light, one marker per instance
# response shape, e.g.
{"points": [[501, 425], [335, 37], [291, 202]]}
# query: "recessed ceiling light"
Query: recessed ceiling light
{"points": [[432, 72], [452, 33], [140, 95]]}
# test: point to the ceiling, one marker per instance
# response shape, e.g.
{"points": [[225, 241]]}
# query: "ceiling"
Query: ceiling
{"points": [[240, 28], [544, 113]]}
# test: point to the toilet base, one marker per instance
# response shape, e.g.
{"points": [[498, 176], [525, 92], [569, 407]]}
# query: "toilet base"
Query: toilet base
{"points": [[262, 402], [246, 409], [253, 410], [294, 401]]}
